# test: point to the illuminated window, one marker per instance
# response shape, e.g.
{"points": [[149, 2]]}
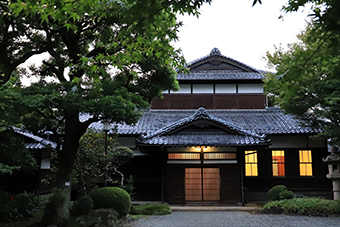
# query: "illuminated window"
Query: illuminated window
{"points": [[251, 163], [305, 157], [278, 163], [220, 156], [184, 156]]}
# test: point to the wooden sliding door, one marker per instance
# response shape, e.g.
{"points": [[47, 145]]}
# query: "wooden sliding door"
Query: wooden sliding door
{"points": [[202, 184]]}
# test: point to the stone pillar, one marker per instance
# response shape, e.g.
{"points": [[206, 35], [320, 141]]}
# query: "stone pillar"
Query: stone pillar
{"points": [[336, 189], [333, 161]]}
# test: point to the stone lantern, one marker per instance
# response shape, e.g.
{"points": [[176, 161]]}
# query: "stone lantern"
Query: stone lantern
{"points": [[333, 161]]}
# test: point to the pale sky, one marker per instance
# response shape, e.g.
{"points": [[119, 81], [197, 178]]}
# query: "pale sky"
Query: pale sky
{"points": [[239, 31]]}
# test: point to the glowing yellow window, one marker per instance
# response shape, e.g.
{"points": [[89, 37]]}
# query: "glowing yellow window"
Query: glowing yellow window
{"points": [[278, 163], [251, 163], [305, 157]]}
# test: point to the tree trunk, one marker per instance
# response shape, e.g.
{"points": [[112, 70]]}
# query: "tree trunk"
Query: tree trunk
{"points": [[74, 130]]}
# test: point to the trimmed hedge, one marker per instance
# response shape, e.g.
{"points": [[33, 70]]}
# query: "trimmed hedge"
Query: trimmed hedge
{"points": [[274, 192], [286, 195], [151, 209], [306, 206], [112, 197]]}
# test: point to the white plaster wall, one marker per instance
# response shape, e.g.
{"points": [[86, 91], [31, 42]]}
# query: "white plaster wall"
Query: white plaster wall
{"points": [[203, 88], [250, 88], [225, 88], [45, 162], [183, 89]]}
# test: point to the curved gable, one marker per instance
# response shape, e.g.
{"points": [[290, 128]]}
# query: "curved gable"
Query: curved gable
{"points": [[216, 61]]}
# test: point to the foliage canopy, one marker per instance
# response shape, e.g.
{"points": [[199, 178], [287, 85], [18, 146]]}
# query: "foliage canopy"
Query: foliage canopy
{"points": [[105, 58]]}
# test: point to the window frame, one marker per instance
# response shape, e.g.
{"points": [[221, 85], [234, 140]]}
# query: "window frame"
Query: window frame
{"points": [[251, 163], [308, 165], [280, 165]]}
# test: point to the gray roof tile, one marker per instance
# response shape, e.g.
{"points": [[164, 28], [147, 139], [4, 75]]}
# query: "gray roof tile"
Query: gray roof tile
{"points": [[231, 134], [266, 121], [221, 75], [204, 139], [40, 143]]}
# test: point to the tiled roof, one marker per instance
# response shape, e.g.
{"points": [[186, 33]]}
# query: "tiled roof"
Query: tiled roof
{"points": [[201, 114], [266, 121], [230, 135], [220, 75], [40, 143]]}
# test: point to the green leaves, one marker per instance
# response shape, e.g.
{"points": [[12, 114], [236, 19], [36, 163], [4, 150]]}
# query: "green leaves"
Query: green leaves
{"points": [[307, 80]]}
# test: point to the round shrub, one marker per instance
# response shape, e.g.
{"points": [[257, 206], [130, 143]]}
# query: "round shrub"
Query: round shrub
{"points": [[112, 197], [83, 206], [24, 204], [286, 195], [274, 192]]}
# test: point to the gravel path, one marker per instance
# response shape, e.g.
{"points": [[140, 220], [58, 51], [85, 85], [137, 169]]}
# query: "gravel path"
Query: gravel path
{"points": [[231, 218]]}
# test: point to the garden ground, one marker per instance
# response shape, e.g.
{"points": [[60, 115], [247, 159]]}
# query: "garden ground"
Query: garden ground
{"points": [[231, 218]]}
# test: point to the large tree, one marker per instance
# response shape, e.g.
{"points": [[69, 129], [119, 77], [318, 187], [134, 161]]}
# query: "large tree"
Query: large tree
{"points": [[307, 80], [106, 58]]}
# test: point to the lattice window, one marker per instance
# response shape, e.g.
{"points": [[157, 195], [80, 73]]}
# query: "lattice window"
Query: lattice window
{"points": [[305, 157], [185, 156], [278, 159], [251, 163], [219, 155]]}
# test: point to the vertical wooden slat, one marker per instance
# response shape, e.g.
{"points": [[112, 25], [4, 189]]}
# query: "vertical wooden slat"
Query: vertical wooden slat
{"points": [[211, 184], [193, 184]]}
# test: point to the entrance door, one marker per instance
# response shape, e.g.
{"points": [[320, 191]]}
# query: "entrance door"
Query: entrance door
{"points": [[202, 184]]}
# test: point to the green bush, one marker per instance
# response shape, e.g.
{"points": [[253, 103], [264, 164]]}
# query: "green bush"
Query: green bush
{"points": [[274, 192], [51, 207], [286, 195], [27, 204], [306, 206], [83, 206], [128, 186], [151, 209], [112, 197], [9, 213], [22, 205]]}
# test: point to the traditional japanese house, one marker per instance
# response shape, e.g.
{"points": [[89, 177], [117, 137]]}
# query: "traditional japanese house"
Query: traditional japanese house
{"points": [[215, 140], [32, 180]]}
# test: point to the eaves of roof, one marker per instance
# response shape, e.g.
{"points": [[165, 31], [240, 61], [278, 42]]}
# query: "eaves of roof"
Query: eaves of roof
{"points": [[203, 139], [41, 143]]}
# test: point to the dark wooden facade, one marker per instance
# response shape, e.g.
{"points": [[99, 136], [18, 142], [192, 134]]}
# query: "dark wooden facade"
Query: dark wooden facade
{"points": [[210, 101]]}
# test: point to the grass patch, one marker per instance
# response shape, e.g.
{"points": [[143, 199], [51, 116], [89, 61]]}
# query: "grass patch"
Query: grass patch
{"points": [[305, 206], [150, 209], [136, 216]]}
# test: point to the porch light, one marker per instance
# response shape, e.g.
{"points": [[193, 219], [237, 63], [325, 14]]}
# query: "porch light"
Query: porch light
{"points": [[106, 126]]}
